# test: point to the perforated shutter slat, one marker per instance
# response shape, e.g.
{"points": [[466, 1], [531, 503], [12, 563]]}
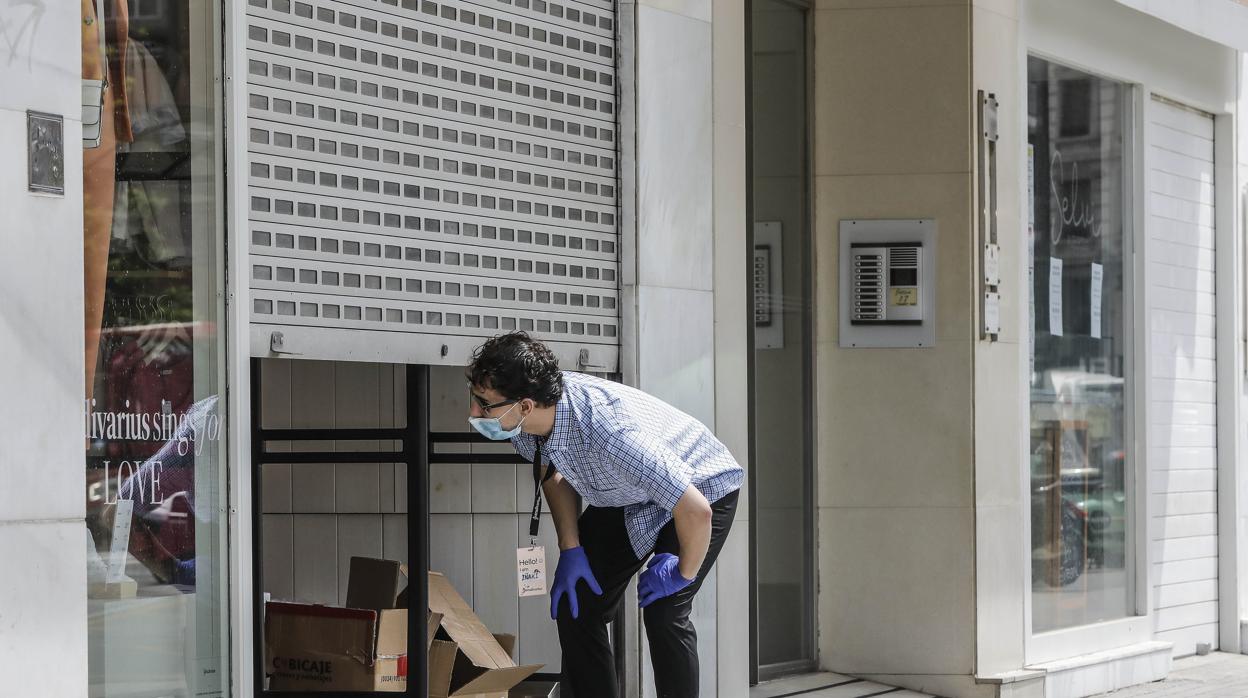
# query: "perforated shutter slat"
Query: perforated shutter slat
{"points": [[434, 168]]}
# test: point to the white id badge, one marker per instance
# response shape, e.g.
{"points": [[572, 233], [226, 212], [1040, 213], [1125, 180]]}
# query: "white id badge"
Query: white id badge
{"points": [[531, 571]]}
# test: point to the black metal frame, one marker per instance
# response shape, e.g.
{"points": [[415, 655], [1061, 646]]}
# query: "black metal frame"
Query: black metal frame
{"points": [[760, 673], [418, 451], [415, 451], [750, 417]]}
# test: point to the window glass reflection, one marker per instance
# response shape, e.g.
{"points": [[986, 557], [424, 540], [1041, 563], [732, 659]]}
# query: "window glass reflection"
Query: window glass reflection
{"points": [[1080, 218], [152, 416]]}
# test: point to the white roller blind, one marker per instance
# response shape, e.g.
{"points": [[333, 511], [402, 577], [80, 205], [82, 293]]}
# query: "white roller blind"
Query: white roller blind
{"points": [[1182, 429]]}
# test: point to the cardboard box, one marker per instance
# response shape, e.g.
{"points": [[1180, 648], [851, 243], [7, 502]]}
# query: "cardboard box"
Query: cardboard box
{"points": [[312, 648], [328, 648], [466, 660], [362, 647], [376, 584]]}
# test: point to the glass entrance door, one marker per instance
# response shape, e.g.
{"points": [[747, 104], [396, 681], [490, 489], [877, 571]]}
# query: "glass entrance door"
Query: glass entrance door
{"points": [[782, 521]]}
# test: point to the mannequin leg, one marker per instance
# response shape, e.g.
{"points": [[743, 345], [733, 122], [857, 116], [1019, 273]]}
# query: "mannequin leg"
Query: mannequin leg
{"points": [[99, 177]]}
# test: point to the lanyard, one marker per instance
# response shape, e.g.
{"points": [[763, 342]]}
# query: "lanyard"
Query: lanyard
{"points": [[535, 518]]}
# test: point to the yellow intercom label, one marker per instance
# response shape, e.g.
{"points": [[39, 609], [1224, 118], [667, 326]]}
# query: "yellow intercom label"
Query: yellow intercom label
{"points": [[905, 296]]}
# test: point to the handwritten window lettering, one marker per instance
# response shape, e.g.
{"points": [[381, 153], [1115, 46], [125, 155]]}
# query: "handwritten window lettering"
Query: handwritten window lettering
{"points": [[1073, 200]]}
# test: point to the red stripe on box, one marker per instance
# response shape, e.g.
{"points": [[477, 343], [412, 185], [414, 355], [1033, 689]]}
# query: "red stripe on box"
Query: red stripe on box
{"points": [[403, 665]]}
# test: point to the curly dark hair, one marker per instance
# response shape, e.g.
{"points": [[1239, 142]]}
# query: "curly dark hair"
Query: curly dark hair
{"points": [[519, 367]]}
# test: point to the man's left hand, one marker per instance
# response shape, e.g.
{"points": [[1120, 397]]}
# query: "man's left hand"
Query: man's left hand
{"points": [[662, 578]]}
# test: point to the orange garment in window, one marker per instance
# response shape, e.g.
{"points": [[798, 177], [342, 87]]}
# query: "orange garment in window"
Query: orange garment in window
{"points": [[99, 165], [116, 38]]}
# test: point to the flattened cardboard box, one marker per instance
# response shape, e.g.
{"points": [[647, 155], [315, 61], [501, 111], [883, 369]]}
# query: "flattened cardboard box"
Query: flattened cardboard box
{"points": [[466, 660]]}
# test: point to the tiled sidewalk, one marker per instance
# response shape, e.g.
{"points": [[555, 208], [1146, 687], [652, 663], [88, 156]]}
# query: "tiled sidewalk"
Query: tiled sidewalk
{"points": [[1219, 674], [828, 686]]}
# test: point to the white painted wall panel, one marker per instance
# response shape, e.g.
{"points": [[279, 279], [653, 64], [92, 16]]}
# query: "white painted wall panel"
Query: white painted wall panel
{"points": [[1182, 409], [1179, 231], [1185, 480], [1185, 616], [275, 487], [358, 535], [494, 488], [1183, 458], [1183, 503], [1185, 526], [1196, 347], [1185, 256], [277, 566], [1187, 413], [400, 487], [1194, 548], [313, 486], [450, 550], [357, 487], [316, 558], [394, 537], [1186, 593], [1190, 636], [1198, 146], [494, 571], [450, 490], [1178, 390], [1185, 571]]}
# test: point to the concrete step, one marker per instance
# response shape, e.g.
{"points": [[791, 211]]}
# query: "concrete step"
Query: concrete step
{"points": [[827, 685]]}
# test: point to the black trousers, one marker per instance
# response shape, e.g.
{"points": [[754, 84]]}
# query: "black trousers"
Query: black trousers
{"points": [[588, 663]]}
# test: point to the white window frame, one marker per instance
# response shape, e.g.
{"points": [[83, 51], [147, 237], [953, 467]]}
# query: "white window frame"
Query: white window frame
{"points": [[242, 648], [1062, 30], [1069, 642], [1230, 220]]}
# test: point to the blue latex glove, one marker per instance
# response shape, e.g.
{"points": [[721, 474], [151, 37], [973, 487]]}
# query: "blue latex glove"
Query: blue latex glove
{"points": [[573, 567], [184, 572], [661, 578]]}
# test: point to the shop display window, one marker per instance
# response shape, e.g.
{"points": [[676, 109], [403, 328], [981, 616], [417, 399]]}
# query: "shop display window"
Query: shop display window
{"points": [[1082, 539], [153, 414]]}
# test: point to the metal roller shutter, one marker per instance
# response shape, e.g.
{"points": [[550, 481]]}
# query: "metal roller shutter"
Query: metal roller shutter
{"points": [[426, 174], [1183, 391]]}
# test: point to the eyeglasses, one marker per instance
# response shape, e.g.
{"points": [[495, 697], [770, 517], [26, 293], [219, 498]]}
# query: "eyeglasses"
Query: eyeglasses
{"points": [[487, 406]]}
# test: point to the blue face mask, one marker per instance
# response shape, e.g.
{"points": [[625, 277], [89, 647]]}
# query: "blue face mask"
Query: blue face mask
{"points": [[492, 428]]}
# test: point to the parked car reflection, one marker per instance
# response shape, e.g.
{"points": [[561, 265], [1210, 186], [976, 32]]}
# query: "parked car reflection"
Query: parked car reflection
{"points": [[1078, 483]]}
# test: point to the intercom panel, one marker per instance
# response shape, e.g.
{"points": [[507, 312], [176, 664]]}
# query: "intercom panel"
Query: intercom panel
{"points": [[887, 275], [886, 284]]}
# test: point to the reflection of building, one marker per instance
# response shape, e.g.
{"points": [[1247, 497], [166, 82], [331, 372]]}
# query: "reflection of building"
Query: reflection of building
{"points": [[354, 193], [1080, 197]]}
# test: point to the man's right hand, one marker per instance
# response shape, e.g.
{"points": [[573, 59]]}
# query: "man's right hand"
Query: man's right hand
{"points": [[573, 567]]}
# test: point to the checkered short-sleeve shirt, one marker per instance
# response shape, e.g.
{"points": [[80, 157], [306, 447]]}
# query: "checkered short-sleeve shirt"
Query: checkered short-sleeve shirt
{"points": [[619, 447]]}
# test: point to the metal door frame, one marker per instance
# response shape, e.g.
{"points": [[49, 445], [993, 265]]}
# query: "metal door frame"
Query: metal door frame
{"points": [[418, 451], [809, 397]]}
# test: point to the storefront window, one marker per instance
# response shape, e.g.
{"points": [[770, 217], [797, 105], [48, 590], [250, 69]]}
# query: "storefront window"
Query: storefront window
{"points": [[153, 417], [1080, 371]]}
